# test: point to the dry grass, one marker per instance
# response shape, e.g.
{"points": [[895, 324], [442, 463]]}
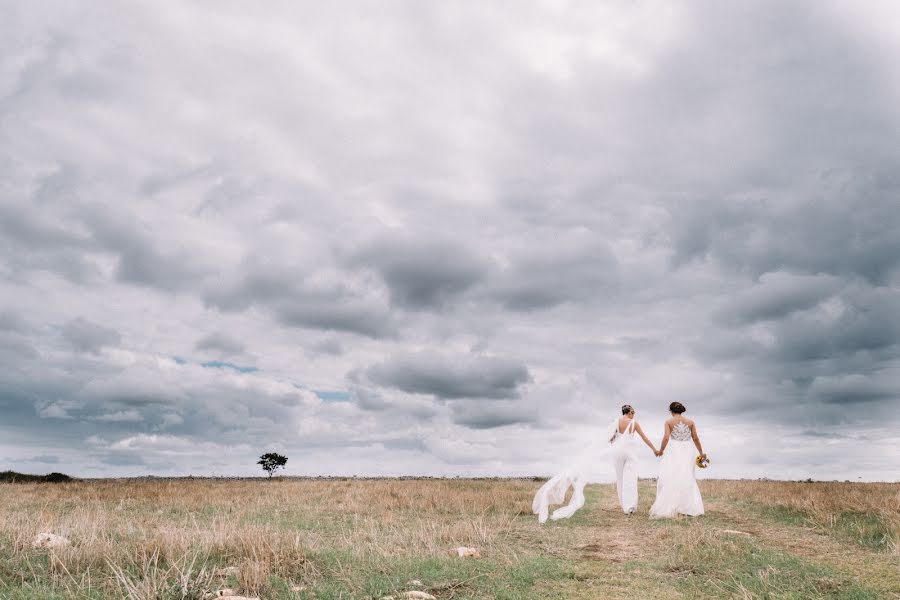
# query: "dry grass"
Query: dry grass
{"points": [[322, 539], [867, 513], [138, 536]]}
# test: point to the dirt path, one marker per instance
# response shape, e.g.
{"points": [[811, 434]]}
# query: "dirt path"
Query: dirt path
{"points": [[617, 556]]}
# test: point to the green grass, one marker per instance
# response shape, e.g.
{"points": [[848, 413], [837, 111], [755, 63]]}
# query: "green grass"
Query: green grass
{"points": [[867, 530], [785, 515], [362, 578], [342, 576], [723, 565], [864, 529]]}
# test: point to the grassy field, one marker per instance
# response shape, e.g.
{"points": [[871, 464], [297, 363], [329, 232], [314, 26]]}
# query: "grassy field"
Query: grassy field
{"points": [[291, 539]]}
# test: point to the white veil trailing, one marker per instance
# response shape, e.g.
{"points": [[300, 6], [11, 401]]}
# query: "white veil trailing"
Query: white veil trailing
{"points": [[590, 466]]}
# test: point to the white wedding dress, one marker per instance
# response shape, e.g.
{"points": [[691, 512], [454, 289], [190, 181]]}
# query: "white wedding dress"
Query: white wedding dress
{"points": [[676, 487]]}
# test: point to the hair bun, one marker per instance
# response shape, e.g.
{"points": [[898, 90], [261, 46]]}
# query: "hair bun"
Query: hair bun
{"points": [[626, 408], [677, 408]]}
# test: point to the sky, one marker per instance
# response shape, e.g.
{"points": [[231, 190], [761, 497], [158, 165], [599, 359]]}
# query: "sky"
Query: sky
{"points": [[448, 239]]}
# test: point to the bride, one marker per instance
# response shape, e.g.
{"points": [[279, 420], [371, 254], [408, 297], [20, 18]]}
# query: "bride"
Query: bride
{"points": [[616, 444], [676, 486], [625, 460]]}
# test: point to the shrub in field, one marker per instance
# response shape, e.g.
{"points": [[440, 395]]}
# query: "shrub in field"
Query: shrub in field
{"points": [[271, 461], [13, 477]]}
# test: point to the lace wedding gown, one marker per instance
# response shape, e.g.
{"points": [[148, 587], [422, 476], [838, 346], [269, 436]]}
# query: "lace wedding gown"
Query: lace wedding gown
{"points": [[676, 486]]}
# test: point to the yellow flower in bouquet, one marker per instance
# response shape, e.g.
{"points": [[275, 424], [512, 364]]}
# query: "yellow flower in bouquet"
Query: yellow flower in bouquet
{"points": [[702, 461]]}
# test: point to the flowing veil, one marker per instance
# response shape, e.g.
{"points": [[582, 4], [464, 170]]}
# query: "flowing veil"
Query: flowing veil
{"points": [[591, 465]]}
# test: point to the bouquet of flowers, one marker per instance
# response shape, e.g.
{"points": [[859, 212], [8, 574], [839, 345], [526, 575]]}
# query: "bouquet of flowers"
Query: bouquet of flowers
{"points": [[702, 461]]}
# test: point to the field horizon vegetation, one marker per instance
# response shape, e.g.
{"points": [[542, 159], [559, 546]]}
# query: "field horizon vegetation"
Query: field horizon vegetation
{"points": [[328, 537], [56, 477]]}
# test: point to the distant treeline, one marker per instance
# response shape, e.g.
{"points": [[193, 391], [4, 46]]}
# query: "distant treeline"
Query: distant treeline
{"points": [[13, 477]]}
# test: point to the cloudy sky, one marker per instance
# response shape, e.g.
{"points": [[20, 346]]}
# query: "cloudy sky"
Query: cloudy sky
{"points": [[447, 238]]}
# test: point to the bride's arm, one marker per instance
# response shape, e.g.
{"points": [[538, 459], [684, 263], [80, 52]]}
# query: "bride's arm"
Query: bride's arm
{"points": [[696, 439], [637, 427], [665, 440]]}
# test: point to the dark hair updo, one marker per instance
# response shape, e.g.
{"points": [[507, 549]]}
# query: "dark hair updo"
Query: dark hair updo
{"points": [[677, 408], [626, 408]]}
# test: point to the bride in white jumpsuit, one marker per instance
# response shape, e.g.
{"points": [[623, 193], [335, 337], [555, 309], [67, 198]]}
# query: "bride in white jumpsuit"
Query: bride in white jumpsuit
{"points": [[624, 459], [616, 443]]}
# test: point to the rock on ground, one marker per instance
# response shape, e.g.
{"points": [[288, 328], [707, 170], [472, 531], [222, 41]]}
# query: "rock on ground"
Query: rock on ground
{"points": [[45, 539], [230, 594]]}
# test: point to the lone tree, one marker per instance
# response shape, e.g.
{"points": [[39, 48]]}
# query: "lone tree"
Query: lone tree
{"points": [[271, 461]]}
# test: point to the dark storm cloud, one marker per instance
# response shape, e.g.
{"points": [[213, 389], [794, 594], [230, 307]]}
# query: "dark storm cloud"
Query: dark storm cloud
{"points": [[46, 459], [556, 272], [328, 346], [749, 113], [423, 273], [804, 244], [852, 390], [866, 321], [637, 204], [129, 459], [391, 406], [450, 377], [27, 227], [173, 404], [32, 241], [297, 300], [142, 259], [221, 342], [492, 414], [162, 181], [840, 226], [343, 315], [368, 400], [89, 337], [778, 295], [253, 284], [12, 322], [66, 235]]}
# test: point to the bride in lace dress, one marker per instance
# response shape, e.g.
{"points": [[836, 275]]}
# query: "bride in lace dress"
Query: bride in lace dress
{"points": [[676, 486]]}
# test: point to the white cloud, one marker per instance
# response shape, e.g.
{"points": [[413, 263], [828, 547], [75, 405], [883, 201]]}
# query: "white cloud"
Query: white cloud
{"points": [[130, 415], [468, 228]]}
